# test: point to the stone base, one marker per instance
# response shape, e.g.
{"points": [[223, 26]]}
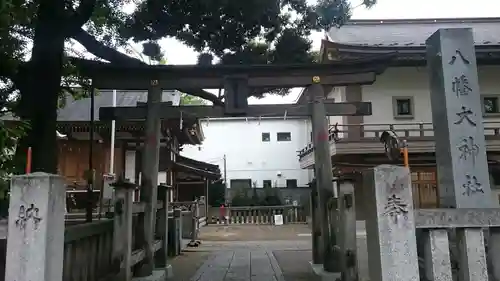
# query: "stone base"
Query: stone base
{"points": [[162, 274], [194, 243], [325, 275]]}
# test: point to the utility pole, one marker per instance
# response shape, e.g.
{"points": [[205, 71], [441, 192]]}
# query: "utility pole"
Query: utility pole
{"points": [[323, 171], [91, 174], [225, 178]]}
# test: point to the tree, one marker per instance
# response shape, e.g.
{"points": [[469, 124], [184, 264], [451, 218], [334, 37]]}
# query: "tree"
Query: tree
{"points": [[253, 31], [187, 99]]}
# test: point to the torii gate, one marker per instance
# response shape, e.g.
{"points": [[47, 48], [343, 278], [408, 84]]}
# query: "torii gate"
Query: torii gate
{"points": [[237, 81]]}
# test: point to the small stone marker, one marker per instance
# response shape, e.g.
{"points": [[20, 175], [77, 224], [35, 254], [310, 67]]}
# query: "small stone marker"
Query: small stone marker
{"points": [[35, 245], [390, 226]]}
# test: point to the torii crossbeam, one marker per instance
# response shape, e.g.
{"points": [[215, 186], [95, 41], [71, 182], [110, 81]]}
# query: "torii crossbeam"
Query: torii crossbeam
{"points": [[237, 82], [167, 111]]}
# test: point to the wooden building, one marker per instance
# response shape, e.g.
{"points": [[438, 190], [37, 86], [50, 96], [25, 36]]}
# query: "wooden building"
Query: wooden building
{"points": [[401, 99], [74, 149]]}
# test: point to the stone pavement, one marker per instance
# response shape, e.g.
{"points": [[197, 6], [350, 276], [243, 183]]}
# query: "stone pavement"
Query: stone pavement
{"points": [[278, 260], [256, 252], [236, 257], [240, 265]]}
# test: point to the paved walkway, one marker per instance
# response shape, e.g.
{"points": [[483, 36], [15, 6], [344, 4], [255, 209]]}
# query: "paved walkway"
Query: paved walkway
{"points": [[236, 257]]}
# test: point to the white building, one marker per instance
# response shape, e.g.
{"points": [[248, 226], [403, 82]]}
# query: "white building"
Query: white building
{"points": [[400, 96], [257, 151]]}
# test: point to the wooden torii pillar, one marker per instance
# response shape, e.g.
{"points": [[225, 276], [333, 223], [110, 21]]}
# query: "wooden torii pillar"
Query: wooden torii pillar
{"points": [[237, 82]]}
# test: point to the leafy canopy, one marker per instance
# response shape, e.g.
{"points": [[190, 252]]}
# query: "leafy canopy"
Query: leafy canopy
{"points": [[235, 32]]}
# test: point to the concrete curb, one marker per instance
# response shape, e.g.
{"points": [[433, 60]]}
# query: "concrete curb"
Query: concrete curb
{"points": [[325, 275], [159, 274]]}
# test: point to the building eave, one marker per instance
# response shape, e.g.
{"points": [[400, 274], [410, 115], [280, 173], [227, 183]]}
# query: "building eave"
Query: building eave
{"points": [[405, 55], [423, 21], [198, 168]]}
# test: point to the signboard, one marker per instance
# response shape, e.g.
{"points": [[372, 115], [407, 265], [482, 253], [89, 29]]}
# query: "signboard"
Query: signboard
{"points": [[278, 219]]}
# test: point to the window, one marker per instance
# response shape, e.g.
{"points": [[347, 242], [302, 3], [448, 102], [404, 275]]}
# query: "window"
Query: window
{"points": [[494, 177], [284, 136], [491, 105], [240, 183], [266, 137], [266, 183], [403, 107], [292, 183]]}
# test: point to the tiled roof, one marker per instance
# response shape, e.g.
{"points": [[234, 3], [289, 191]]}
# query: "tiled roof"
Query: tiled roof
{"points": [[79, 110], [411, 32]]}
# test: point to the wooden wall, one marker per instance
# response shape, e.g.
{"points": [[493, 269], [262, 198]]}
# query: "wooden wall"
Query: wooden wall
{"points": [[73, 160], [424, 188]]}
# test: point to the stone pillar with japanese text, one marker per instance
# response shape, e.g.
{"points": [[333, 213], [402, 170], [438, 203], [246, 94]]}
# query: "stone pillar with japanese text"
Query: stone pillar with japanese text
{"points": [[390, 224], [462, 168], [35, 242]]}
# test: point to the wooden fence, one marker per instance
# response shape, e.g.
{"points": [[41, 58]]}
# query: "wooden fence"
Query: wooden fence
{"points": [[262, 215], [41, 236]]}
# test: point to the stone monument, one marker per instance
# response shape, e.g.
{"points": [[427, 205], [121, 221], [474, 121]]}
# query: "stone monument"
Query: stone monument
{"points": [[35, 245]]}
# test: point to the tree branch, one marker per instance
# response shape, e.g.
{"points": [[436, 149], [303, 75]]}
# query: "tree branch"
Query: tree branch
{"points": [[80, 16], [202, 94], [113, 56], [100, 50], [69, 90]]}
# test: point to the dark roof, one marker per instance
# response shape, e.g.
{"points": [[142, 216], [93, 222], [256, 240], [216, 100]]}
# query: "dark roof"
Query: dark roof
{"points": [[411, 32], [79, 110], [196, 167]]}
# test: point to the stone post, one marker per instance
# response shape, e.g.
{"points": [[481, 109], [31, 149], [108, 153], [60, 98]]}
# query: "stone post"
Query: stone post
{"points": [[35, 243], [107, 192], [176, 230], [162, 227], [322, 170], [195, 212], [315, 228], [122, 232], [463, 177], [347, 229], [390, 224]]}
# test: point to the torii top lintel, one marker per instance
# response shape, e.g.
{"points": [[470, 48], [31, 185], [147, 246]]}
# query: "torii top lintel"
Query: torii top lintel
{"points": [[139, 77]]}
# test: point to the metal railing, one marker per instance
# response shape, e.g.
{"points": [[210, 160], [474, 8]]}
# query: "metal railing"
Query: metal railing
{"points": [[372, 132]]}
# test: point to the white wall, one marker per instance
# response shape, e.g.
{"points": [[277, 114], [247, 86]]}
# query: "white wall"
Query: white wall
{"points": [[410, 81], [336, 94], [247, 156], [130, 168]]}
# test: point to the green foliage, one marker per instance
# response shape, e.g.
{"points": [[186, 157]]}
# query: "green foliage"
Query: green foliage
{"points": [[191, 100], [271, 200], [270, 197], [216, 194], [241, 200], [9, 136], [237, 32], [240, 32]]}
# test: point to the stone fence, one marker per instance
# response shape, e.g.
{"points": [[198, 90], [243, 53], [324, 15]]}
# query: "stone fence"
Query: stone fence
{"points": [[45, 244], [261, 215]]}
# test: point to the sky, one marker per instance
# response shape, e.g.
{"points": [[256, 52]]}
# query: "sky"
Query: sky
{"points": [[177, 53]]}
